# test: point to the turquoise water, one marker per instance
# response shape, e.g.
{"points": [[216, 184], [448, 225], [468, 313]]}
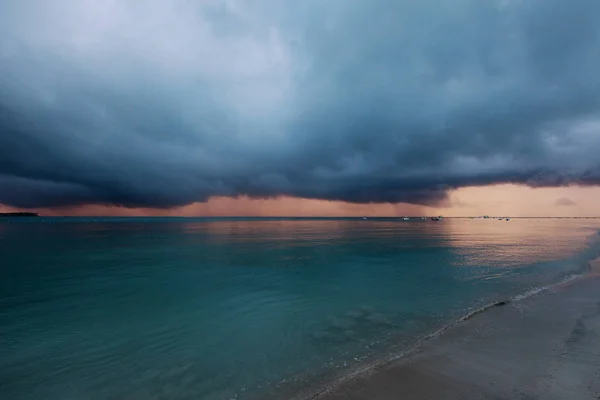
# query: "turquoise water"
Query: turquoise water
{"points": [[168, 308]]}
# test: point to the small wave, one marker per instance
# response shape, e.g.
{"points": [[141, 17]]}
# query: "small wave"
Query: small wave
{"points": [[522, 296], [373, 366], [540, 289]]}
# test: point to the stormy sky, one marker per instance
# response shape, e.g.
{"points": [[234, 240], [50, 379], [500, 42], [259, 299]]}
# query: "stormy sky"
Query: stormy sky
{"points": [[152, 103]]}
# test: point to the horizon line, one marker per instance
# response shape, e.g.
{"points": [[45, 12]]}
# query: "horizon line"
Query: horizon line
{"points": [[304, 216]]}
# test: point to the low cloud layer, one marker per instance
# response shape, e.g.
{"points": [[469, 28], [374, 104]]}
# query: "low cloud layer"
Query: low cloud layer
{"points": [[147, 103], [565, 201]]}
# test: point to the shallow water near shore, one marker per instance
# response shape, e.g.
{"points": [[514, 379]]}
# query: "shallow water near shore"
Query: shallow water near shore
{"points": [[245, 308]]}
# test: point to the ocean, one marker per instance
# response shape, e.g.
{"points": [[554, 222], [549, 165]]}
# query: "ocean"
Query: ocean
{"points": [[249, 308]]}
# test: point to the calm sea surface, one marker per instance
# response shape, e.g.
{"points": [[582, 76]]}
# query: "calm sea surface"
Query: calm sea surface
{"points": [[168, 308]]}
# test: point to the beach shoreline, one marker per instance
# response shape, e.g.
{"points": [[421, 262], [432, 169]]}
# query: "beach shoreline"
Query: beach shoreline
{"points": [[545, 346]]}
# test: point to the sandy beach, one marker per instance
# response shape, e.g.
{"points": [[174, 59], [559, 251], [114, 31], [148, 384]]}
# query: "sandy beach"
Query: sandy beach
{"points": [[546, 346]]}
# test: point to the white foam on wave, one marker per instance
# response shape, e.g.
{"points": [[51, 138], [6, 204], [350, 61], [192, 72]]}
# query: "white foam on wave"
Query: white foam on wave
{"points": [[541, 289]]}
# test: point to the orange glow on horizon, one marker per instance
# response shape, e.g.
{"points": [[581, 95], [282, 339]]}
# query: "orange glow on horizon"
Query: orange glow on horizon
{"points": [[509, 200]]}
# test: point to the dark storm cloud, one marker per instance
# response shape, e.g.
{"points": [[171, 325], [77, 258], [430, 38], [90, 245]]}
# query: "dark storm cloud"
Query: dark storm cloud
{"points": [[152, 103]]}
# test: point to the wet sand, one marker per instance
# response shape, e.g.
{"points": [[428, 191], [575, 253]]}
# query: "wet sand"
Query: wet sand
{"points": [[543, 347]]}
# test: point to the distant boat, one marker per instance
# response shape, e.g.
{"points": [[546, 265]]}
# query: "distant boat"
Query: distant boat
{"points": [[405, 218], [437, 218], [364, 217], [423, 218]]}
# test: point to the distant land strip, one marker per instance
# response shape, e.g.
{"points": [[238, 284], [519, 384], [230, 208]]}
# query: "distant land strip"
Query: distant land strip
{"points": [[19, 214]]}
